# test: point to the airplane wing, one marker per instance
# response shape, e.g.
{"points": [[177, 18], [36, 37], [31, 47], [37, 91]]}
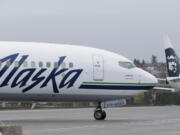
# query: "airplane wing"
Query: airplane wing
{"points": [[169, 79], [173, 79], [163, 89], [162, 79], [165, 82]]}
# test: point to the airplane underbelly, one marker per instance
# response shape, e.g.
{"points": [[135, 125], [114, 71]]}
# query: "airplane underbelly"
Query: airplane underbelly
{"points": [[89, 97], [68, 95]]}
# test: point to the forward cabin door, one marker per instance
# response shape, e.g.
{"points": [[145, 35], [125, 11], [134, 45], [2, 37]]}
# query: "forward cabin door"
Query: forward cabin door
{"points": [[98, 68]]}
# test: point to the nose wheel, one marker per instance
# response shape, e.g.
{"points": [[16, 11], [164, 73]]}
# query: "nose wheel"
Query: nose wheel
{"points": [[99, 114]]}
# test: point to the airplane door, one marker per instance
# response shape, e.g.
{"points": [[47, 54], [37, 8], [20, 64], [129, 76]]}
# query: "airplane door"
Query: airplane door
{"points": [[98, 68]]}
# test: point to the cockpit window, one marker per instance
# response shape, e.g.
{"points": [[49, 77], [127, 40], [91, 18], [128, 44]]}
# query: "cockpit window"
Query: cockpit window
{"points": [[128, 65]]}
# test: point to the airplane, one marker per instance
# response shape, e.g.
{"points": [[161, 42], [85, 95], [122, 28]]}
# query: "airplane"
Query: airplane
{"points": [[173, 65], [60, 73]]}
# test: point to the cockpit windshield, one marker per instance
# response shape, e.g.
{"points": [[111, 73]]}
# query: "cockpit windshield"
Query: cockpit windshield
{"points": [[127, 65]]}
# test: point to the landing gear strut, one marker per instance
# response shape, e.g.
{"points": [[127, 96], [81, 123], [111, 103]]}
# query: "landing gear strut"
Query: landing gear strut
{"points": [[99, 114]]}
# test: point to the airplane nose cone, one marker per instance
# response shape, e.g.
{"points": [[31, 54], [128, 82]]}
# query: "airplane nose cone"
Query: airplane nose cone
{"points": [[147, 78], [152, 79]]}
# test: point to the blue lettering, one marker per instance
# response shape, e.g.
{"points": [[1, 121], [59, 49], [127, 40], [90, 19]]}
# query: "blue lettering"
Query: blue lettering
{"points": [[5, 82], [11, 59], [53, 74], [28, 73], [36, 79], [23, 77], [72, 80]]}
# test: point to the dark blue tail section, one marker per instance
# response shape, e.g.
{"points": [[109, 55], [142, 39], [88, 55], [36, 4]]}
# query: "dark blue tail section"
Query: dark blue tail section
{"points": [[172, 60]]}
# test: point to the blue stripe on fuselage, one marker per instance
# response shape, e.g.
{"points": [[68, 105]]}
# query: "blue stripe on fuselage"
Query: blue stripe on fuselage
{"points": [[115, 87]]}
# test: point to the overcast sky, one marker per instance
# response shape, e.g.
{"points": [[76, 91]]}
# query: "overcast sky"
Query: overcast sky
{"points": [[133, 28]]}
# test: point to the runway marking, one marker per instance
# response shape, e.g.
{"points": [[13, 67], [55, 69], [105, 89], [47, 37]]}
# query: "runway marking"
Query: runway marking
{"points": [[97, 126], [63, 129], [38, 110]]}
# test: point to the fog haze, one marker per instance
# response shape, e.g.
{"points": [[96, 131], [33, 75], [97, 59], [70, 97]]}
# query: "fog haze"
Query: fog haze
{"points": [[133, 28]]}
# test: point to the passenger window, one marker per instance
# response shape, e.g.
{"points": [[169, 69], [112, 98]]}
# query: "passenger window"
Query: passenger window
{"points": [[16, 64], [40, 64], [63, 65], [8, 63], [48, 64], [71, 65], [63, 75], [25, 64], [33, 64], [55, 64], [127, 65]]}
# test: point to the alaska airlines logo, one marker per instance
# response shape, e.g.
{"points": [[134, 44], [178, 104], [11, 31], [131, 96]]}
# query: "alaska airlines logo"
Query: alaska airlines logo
{"points": [[172, 63], [28, 78]]}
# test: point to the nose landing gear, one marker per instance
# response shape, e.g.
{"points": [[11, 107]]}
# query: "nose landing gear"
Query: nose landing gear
{"points": [[99, 114]]}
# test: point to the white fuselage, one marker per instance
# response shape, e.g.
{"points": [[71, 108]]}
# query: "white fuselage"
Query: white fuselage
{"points": [[51, 72]]}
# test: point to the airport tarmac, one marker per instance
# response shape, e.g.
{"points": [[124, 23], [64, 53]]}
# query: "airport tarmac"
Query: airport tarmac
{"points": [[120, 121]]}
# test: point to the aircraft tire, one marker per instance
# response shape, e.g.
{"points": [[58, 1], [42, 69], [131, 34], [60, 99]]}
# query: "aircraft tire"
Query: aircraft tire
{"points": [[99, 114]]}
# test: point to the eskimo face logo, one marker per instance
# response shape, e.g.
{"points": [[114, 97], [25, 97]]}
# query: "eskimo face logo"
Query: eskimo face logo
{"points": [[172, 63]]}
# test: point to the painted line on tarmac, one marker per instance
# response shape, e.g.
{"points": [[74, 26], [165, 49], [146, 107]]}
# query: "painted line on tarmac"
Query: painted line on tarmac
{"points": [[63, 129]]}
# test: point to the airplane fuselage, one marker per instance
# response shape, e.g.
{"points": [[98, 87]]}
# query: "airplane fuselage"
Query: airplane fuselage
{"points": [[51, 72]]}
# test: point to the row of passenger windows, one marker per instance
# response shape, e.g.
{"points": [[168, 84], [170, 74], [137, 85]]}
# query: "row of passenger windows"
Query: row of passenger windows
{"points": [[40, 64]]}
